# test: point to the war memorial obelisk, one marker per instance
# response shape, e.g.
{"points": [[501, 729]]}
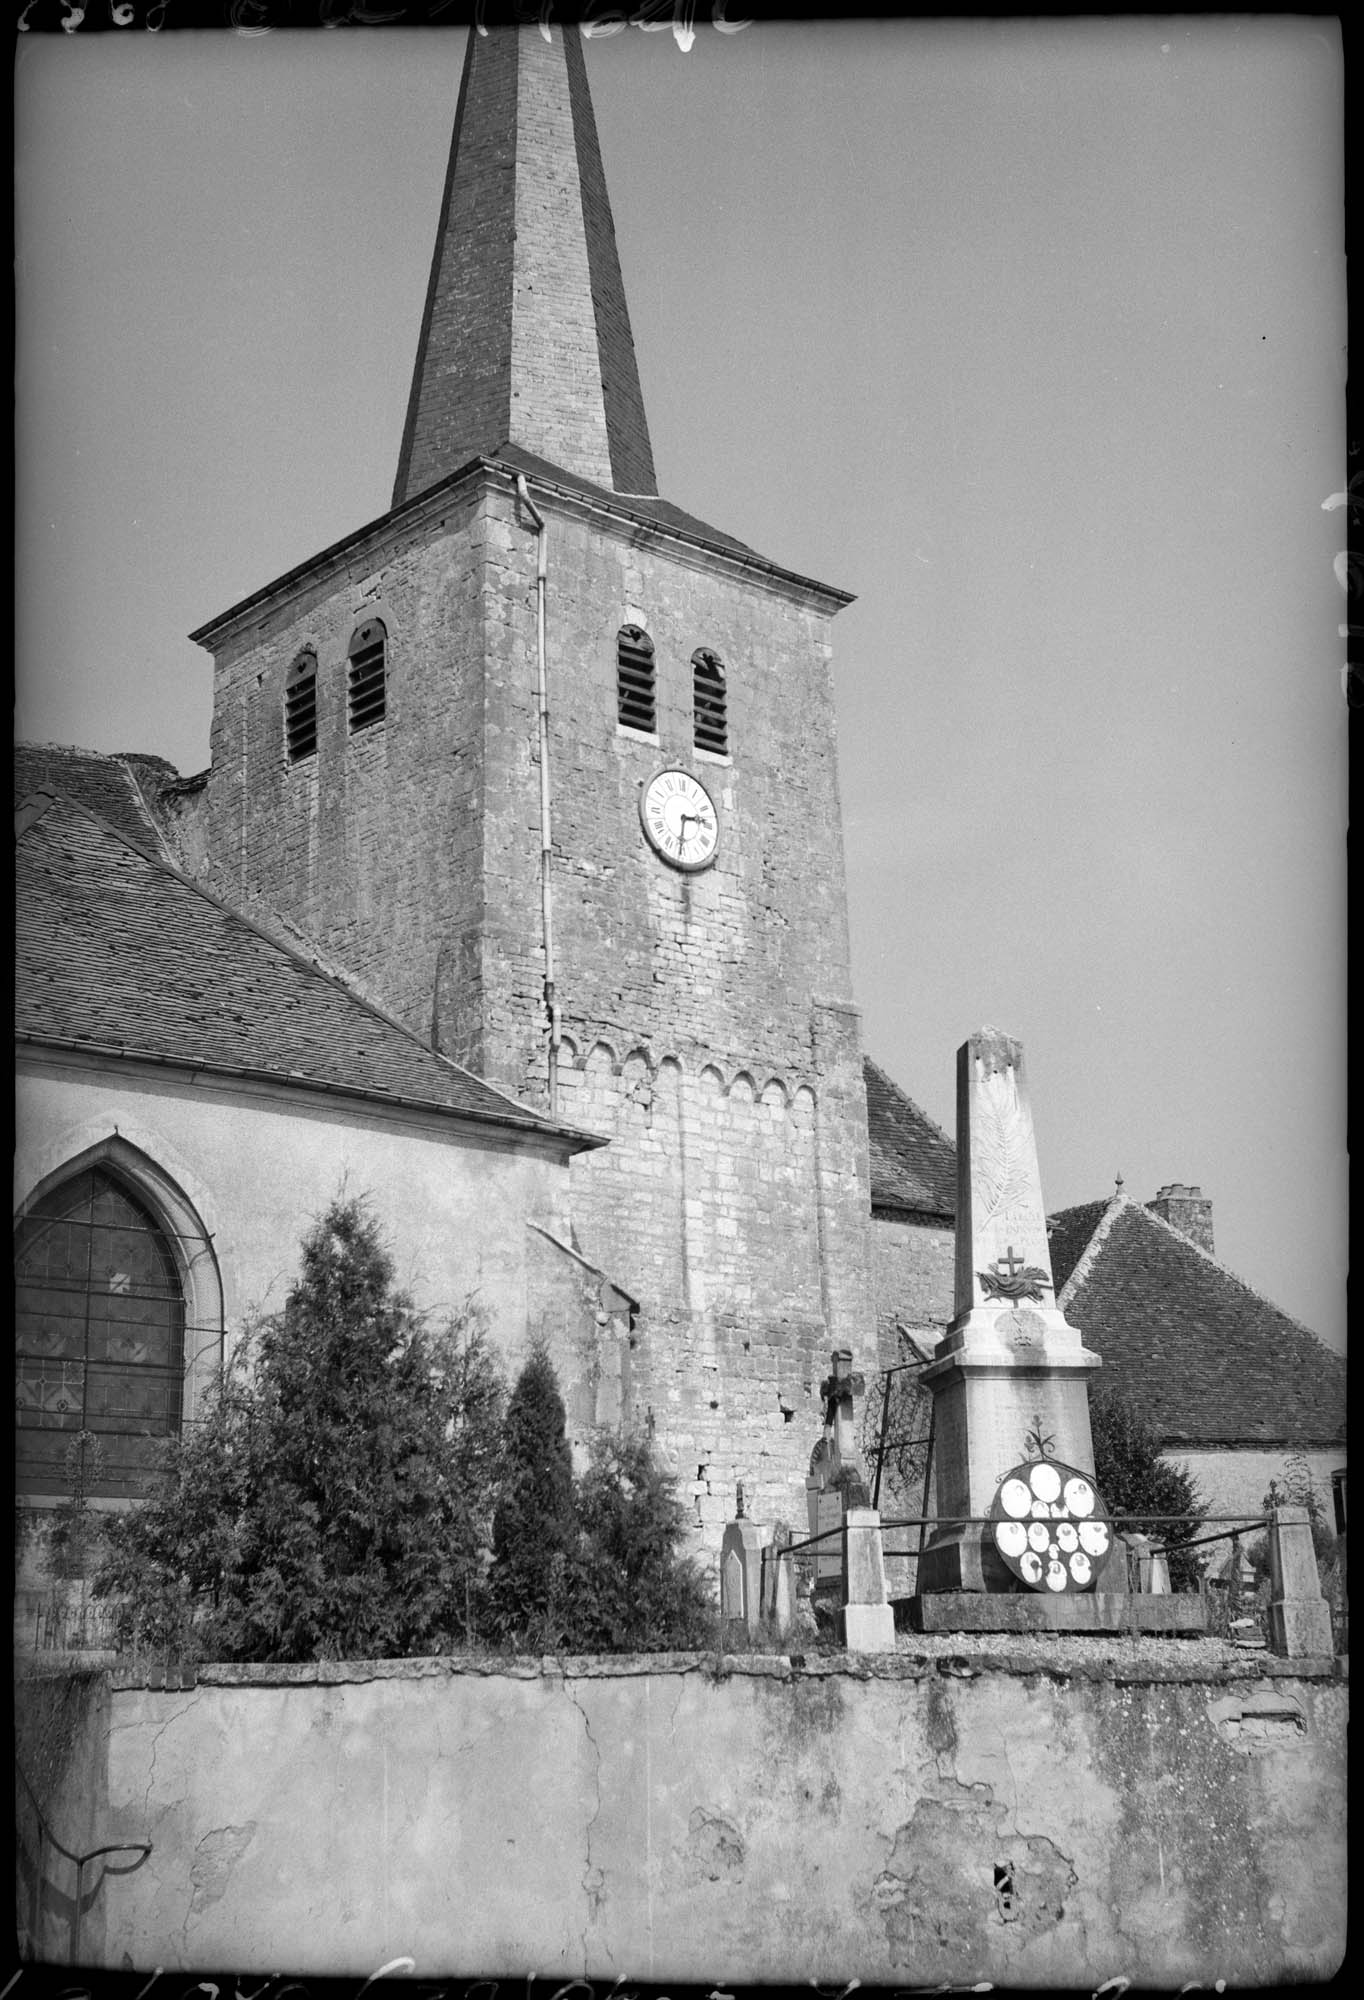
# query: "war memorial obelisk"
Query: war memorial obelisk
{"points": [[1010, 1378]]}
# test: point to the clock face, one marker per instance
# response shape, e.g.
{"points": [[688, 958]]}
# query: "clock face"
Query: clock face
{"points": [[679, 820]]}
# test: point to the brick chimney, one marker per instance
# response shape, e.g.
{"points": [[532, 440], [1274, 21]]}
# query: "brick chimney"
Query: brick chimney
{"points": [[1186, 1210]]}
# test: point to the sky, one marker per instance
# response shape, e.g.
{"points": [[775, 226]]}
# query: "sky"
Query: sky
{"points": [[1032, 334]]}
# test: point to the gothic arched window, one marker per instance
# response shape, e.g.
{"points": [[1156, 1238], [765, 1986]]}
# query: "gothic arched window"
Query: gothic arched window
{"points": [[368, 656], [636, 705], [300, 708], [710, 713], [98, 1342]]}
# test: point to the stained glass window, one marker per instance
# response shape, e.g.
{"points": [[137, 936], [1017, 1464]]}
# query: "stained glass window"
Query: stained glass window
{"points": [[99, 1340]]}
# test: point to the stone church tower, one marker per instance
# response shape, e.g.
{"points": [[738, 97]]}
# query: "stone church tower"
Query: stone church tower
{"points": [[547, 766]]}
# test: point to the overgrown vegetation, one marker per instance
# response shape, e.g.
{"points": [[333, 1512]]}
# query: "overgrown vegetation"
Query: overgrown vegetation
{"points": [[360, 1487], [1134, 1479], [1295, 1486]]}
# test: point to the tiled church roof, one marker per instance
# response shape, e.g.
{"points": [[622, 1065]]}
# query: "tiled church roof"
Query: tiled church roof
{"points": [[105, 785], [119, 953], [1209, 1361], [913, 1163]]}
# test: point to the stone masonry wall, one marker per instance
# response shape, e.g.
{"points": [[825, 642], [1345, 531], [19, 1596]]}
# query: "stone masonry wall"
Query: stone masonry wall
{"points": [[913, 1278], [1036, 1821], [372, 847]]}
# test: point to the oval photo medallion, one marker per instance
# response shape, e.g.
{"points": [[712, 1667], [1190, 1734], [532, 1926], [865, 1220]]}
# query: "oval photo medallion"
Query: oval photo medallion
{"points": [[1050, 1526]]}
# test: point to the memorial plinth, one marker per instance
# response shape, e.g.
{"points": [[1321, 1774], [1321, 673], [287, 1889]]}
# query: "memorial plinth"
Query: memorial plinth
{"points": [[973, 1611], [1010, 1377]]}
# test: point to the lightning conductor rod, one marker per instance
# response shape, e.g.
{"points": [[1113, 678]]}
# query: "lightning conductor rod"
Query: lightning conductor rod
{"points": [[546, 836]]}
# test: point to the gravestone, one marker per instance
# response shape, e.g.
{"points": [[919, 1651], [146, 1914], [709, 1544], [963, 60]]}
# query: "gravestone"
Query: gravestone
{"points": [[1010, 1376], [741, 1567]]}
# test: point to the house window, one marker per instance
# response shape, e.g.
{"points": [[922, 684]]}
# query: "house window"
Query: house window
{"points": [[99, 1341], [300, 708], [368, 663], [636, 704], [710, 716]]}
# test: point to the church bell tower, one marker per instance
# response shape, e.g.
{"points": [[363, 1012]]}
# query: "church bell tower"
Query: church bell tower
{"points": [[548, 766]]}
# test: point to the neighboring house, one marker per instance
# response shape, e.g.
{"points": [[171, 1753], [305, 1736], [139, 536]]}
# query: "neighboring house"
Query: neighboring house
{"points": [[1232, 1386], [190, 1097]]}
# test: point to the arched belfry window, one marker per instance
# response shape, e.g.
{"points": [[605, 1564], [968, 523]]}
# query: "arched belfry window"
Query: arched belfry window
{"points": [[300, 708], [99, 1340], [636, 700], [710, 712], [368, 655]]}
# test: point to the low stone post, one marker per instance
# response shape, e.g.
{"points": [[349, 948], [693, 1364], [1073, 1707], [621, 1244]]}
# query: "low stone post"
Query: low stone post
{"points": [[779, 1590], [1299, 1616], [868, 1623], [1153, 1571]]}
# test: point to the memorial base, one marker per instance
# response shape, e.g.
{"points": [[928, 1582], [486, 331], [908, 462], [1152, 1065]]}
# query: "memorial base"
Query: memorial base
{"points": [[973, 1611], [867, 1628]]}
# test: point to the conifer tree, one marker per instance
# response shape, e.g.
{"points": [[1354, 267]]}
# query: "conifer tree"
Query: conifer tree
{"points": [[535, 1528], [334, 1502], [636, 1590], [1134, 1479]]}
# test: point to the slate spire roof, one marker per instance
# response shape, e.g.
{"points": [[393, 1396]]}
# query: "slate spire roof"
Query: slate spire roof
{"points": [[1211, 1362], [117, 953], [525, 338]]}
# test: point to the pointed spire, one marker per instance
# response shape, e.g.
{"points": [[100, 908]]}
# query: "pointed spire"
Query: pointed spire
{"points": [[526, 338]]}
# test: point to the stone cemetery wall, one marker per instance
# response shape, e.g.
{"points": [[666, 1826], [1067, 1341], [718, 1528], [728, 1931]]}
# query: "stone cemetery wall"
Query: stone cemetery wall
{"points": [[922, 1821]]}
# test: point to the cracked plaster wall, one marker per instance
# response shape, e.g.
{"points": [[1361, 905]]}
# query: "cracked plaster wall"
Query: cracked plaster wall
{"points": [[915, 1823]]}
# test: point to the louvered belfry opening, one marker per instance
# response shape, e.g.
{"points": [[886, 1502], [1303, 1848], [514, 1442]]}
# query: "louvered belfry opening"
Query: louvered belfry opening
{"points": [[368, 673], [636, 702], [99, 1341], [300, 709], [710, 712]]}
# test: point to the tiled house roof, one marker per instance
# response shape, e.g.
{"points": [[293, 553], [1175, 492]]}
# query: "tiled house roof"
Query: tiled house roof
{"points": [[119, 953], [1069, 1234], [1210, 1361], [913, 1163]]}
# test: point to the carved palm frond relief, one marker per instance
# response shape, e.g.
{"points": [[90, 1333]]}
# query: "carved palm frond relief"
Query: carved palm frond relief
{"points": [[1001, 1157]]}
